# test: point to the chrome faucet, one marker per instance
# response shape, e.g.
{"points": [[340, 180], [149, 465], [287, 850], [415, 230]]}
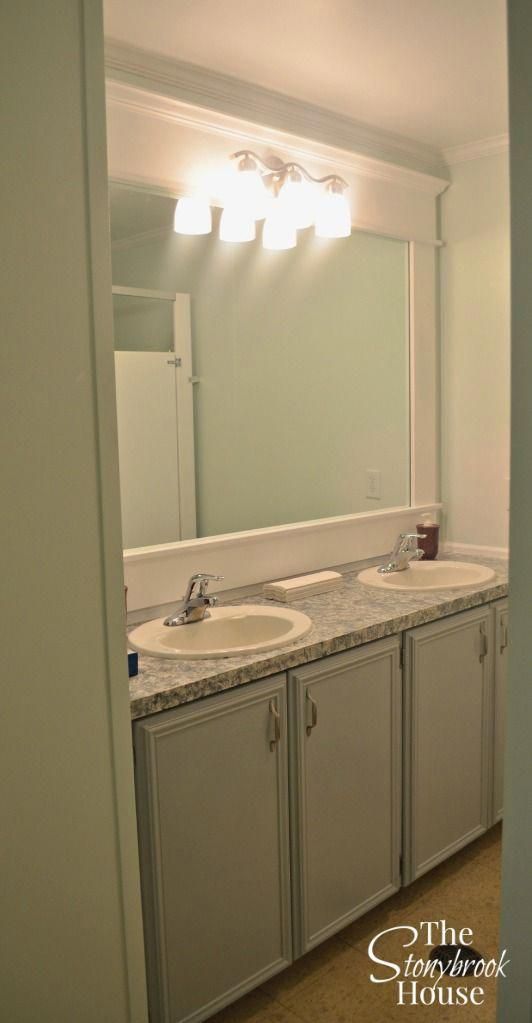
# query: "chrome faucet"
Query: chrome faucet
{"points": [[194, 605], [403, 553]]}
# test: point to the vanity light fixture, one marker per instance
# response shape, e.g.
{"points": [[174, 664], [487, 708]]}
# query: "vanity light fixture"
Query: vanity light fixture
{"points": [[288, 198], [192, 216]]}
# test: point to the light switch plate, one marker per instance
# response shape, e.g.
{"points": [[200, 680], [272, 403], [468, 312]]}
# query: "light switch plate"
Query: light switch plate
{"points": [[373, 484]]}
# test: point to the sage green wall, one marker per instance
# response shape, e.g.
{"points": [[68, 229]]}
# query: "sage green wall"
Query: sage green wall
{"points": [[69, 904], [303, 364], [475, 302], [515, 994]]}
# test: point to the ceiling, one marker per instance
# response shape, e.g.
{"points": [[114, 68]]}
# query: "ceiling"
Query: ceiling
{"points": [[430, 70]]}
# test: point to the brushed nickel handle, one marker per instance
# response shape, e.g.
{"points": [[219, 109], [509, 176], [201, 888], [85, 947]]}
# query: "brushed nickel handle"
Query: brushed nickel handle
{"points": [[276, 726], [313, 714], [504, 636], [483, 643]]}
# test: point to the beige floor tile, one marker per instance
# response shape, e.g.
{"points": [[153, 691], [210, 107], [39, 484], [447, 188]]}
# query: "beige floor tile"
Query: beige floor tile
{"points": [[345, 994], [464, 892], [388, 914], [332, 984], [257, 1007], [288, 985]]}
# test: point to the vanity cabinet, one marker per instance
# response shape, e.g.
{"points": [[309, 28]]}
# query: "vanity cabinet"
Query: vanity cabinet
{"points": [[212, 795], [500, 612], [373, 762], [345, 746], [448, 737]]}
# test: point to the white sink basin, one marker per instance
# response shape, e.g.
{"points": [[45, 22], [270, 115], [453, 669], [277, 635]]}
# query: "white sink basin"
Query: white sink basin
{"points": [[429, 575], [227, 632]]}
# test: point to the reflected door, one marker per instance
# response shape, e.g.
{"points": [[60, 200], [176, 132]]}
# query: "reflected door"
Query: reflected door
{"points": [[154, 415]]}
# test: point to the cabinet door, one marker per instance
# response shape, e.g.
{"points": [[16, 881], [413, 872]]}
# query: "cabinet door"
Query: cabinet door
{"points": [[500, 611], [448, 710], [212, 794], [346, 785]]}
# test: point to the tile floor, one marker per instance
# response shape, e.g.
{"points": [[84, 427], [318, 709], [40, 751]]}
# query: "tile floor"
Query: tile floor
{"points": [[331, 984]]}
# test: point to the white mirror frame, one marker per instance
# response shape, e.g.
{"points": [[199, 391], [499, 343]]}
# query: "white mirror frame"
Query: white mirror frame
{"points": [[402, 204]]}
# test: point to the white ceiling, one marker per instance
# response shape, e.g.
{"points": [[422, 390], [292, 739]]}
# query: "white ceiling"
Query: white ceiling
{"points": [[431, 70]]}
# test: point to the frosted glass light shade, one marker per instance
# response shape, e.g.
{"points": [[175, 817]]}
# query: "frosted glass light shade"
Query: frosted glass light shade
{"points": [[252, 193], [192, 216], [299, 201], [279, 231], [236, 225], [333, 216], [245, 187]]}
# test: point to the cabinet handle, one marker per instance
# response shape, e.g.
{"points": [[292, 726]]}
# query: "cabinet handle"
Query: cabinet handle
{"points": [[504, 636], [483, 643], [276, 726], [313, 714]]}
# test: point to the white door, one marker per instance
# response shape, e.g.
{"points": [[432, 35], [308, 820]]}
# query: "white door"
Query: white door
{"points": [[147, 444], [155, 416]]}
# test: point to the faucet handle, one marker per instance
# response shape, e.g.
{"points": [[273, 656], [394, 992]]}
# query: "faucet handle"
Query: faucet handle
{"points": [[412, 536], [405, 541], [202, 579]]}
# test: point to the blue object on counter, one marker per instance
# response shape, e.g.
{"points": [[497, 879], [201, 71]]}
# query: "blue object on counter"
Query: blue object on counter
{"points": [[132, 663]]}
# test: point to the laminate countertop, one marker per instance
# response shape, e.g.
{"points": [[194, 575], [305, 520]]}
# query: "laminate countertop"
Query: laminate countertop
{"points": [[344, 618]]}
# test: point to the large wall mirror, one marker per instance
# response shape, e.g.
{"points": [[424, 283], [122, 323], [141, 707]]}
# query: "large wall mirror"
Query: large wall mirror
{"points": [[255, 388]]}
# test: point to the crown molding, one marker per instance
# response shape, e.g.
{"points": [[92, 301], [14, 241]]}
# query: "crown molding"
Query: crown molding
{"points": [[168, 108], [476, 150], [210, 90]]}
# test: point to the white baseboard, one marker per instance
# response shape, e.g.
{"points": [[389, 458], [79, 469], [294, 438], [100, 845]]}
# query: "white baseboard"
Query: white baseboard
{"points": [[476, 550]]}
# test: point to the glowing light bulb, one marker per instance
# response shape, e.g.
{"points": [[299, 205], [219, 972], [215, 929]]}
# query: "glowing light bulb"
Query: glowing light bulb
{"points": [[298, 199], [245, 187], [236, 225], [278, 231], [192, 216], [333, 215]]}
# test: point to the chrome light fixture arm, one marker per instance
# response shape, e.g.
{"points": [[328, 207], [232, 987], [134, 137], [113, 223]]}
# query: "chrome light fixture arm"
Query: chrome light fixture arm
{"points": [[278, 169]]}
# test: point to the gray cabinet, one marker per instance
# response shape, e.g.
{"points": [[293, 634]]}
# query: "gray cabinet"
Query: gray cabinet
{"points": [[212, 791], [225, 881], [448, 737], [500, 612], [345, 712]]}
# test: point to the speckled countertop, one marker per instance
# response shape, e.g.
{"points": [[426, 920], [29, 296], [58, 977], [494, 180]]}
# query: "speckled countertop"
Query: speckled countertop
{"points": [[342, 619]]}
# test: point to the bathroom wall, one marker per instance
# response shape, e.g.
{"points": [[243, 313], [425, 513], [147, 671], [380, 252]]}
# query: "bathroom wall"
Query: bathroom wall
{"points": [[515, 993], [71, 929], [475, 303]]}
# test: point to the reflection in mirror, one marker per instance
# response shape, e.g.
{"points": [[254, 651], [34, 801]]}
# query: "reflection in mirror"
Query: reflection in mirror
{"points": [[255, 388]]}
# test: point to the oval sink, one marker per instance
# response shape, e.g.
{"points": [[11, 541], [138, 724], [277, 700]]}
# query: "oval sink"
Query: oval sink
{"points": [[227, 632], [429, 575]]}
